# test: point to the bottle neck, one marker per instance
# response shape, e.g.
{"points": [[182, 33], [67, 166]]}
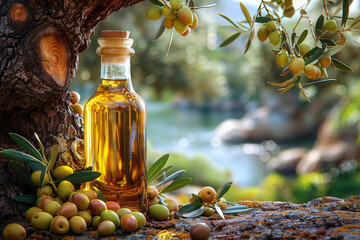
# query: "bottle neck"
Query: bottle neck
{"points": [[115, 69]]}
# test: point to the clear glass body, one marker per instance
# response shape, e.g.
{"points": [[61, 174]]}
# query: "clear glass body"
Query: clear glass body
{"points": [[115, 136]]}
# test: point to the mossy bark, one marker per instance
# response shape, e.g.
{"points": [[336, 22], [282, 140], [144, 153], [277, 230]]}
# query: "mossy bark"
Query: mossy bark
{"points": [[39, 45]]}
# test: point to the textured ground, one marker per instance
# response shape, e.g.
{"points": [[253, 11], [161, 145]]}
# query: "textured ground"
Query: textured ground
{"points": [[321, 218]]}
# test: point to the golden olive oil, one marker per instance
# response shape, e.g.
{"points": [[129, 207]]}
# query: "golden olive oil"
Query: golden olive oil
{"points": [[115, 128]]}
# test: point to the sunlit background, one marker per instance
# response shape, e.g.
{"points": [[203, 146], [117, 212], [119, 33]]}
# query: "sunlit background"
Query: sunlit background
{"points": [[212, 109]]}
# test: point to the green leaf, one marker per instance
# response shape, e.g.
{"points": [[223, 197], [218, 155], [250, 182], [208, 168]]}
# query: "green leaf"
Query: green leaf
{"points": [[293, 36], [229, 20], [26, 198], [156, 167], [41, 146], [171, 177], [352, 40], [262, 19], [283, 38], [99, 194], [189, 207], [237, 207], [346, 5], [297, 49], [327, 41], [319, 24], [25, 144], [332, 51], [319, 81], [161, 200], [88, 168], [80, 177], [36, 166], [223, 189], [196, 213], [219, 211], [177, 184], [160, 31], [21, 172], [157, 2], [191, 4], [248, 44], [19, 156], [316, 55], [161, 172], [230, 40], [340, 65], [53, 155], [303, 36], [246, 13], [204, 6], [42, 177], [237, 211]]}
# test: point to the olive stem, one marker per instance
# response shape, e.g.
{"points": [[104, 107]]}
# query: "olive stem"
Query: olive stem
{"points": [[326, 10], [166, 4], [52, 182]]}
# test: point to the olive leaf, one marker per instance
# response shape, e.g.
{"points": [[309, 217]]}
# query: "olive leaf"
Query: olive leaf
{"points": [[352, 40], [53, 155], [42, 177], [41, 146], [26, 198], [329, 42], [161, 200], [227, 211], [26, 145], [160, 31], [161, 172], [340, 65], [99, 194], [80, 177], [21, 172], [222, 190], [205, 6], [283, 37], [332, 51], [346, 5], [316, 54], [88, 168], [303, 36], [157, 2], [248, 43], [293, 36], [191, 4], [177, 184], [230, 40], [237, 207], [319, 24], [319, 81], [219, 211], [156, 167], [262, 19], [189, 207], [229, 20], [246, 13], [19, 156], [170, 178], [195, 213]]}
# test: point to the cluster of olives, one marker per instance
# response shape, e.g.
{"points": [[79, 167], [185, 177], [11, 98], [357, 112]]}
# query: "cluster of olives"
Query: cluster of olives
{"points": [[157, 210], [74, 101], [176, 15], [296, 64], [208, 195], [269, 31], [73, 210]]}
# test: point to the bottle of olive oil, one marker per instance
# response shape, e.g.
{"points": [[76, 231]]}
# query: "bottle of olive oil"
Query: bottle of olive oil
{"points": [[115, 127]]}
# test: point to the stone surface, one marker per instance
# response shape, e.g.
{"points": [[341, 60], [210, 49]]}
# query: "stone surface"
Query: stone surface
{"points": [[321, 218]]}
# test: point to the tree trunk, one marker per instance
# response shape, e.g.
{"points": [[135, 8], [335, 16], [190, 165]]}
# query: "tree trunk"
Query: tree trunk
{"points": [[39, 46]]}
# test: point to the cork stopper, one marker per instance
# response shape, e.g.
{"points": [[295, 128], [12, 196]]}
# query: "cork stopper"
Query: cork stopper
{"points": [[115, 34]]}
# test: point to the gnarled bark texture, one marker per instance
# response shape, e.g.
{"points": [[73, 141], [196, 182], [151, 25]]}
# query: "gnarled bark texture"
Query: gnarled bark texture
{"points": [[39, 45]]}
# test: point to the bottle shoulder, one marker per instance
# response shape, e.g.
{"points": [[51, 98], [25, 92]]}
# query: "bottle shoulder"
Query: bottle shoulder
{"points": [[116, 100]]}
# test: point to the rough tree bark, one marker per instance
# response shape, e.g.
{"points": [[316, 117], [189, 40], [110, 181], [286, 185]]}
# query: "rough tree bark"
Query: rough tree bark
{"points": [[39, 45]]}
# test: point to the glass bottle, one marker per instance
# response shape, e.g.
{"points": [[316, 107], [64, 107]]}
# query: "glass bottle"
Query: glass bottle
{"points": [[115, 127]]}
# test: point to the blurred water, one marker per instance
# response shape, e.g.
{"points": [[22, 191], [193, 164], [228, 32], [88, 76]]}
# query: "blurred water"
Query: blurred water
{"points": [[191, 132]]}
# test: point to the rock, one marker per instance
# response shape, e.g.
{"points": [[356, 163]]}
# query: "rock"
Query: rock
{"points": [[321, 218], [287, 160]]}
